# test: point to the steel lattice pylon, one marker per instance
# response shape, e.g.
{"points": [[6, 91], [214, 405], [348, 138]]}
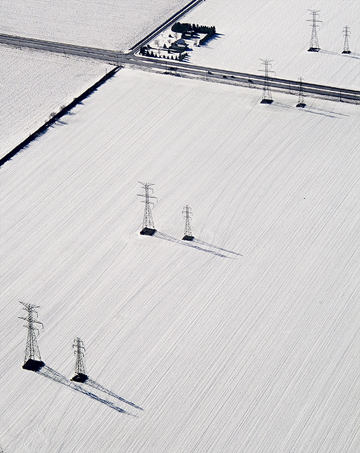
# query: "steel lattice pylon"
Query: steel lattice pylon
{"points": [[314, 42], [80, 373], [346, 32], [187, 213], [32, 352], [148, 227], [301, 102], [267, 97]]}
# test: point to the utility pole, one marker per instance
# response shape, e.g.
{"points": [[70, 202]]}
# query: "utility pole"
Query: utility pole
{"points": [[267, 98], [80, 373], [301, 102], [346, 32], [148, 227], [314, 42], [33, 360], [188, 236]]}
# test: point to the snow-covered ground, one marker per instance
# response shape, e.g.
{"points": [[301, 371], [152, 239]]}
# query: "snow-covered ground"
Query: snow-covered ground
{"points": [[224, 353], [279, 31], [107, 24], [35, 84]]}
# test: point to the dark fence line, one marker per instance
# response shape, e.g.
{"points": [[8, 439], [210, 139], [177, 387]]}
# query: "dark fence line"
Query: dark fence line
{"points": [[42, 129]]}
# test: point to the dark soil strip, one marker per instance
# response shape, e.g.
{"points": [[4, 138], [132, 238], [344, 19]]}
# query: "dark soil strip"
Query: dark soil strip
{"points": [[42, 129]]}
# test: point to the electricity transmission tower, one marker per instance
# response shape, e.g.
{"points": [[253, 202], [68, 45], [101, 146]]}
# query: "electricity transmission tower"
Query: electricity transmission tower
{"points": [[267, 98], [148, 227], [346, 32], [314, 42], [188, 236], [301, 102], [32, 353], [80, 373]]}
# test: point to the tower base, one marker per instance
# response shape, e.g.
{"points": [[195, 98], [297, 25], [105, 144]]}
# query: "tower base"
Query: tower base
{"points": [[188, 238], [148, 231], [346, 51], [33, 365], [301, 105], [314, 49], [80, 377], [266, 101]]}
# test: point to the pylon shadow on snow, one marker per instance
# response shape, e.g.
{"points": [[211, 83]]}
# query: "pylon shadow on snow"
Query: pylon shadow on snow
{"points": [[98, 386], [192, 244], [329, 52], [197, 241], [314, 110], [49, 373]]}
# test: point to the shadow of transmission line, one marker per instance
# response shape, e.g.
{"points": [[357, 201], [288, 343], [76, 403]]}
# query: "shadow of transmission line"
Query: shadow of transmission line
{"points": [[166, 237], [96, 385], [207, 244], [57, 377]]}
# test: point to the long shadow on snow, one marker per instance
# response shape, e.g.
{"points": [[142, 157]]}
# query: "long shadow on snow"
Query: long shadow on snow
{"points": [[313, 110], [197, 241], [346, 55], [57, 377], [98, 386], [166, 237]]}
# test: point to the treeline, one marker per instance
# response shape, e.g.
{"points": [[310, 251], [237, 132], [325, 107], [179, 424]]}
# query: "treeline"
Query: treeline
{"points": [[186, 28], [190, 29], [147, 52]]}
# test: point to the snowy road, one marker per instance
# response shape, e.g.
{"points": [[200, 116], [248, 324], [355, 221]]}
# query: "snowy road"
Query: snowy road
{"points": [[185, 69]]}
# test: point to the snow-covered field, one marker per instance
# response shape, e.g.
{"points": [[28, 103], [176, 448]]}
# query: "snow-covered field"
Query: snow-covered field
{"points": [[107, 24], [279, 31], [35, 84], [224, 353]]}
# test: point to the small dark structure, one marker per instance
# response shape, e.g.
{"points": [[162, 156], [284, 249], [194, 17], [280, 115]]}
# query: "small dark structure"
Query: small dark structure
{"points": [[148, 231], [266, 101], [33, 365]]}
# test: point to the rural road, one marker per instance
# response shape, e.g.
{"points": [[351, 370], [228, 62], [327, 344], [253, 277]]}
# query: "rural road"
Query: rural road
{"points": [[182, 68]]}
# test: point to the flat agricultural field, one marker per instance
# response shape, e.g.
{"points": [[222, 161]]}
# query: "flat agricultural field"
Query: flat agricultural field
{"points": [[36, 84], [107, 24], [280, 31], [245, 340]]}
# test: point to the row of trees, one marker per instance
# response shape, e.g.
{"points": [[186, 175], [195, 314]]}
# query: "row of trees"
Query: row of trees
{"points": [[148, 52], [186, 28]]}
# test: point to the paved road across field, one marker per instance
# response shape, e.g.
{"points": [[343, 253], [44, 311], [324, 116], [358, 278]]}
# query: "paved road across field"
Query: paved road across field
{"points": [[181, 68]]}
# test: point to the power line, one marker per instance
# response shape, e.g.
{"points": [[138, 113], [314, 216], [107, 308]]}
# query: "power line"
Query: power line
{"points": [[346, 33], [314, 42], [267, 97], [79, 349], [32, 352], [187, 213], [301, 101], [148, 227]]}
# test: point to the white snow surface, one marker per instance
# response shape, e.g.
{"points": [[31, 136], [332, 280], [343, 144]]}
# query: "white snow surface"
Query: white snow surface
{"points": [[279, 31], [224, 353], [106, 24], [36, 84]]}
